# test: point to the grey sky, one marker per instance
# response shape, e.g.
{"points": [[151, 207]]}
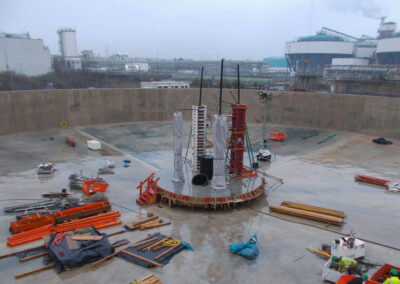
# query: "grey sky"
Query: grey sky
{"points": [[203, 29]]}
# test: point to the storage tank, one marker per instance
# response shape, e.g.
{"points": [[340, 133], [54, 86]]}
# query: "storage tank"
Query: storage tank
{"points": [[67, 40], [312, 53], [388, 48]]}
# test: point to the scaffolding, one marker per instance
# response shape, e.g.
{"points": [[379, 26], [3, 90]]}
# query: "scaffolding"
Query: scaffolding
{"points": [[199, 133]]}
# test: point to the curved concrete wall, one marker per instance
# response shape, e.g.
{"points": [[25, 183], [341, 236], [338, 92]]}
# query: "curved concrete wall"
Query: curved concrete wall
{"points": [[33, 110]]}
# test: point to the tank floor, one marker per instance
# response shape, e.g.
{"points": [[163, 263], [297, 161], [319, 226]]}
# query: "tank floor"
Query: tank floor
{"points": [[317, 174]]}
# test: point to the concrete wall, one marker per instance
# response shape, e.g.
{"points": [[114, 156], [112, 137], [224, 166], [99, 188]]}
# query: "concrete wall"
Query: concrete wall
{"points": [[43, 109]]}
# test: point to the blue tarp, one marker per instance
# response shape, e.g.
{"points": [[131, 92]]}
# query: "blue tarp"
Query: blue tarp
{"points": [[248, 250]]}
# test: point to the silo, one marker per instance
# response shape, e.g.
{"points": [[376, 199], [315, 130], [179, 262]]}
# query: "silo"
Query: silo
{"points": [[67, 40]]}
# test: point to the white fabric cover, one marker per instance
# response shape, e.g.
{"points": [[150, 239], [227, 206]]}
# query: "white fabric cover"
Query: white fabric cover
{"points": [[220, 135], [178, 163]]}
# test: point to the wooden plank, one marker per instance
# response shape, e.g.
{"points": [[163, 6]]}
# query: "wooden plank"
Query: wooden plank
{"points": [[166, 252], [34, 271], [105, 258], [157, 243], [121, 244], [142, 258], [33, 256], [326, 211], [18, 252], [145, 227], [86, 238], [143, 242], [306, 214], [116, 233], [149, 244]]}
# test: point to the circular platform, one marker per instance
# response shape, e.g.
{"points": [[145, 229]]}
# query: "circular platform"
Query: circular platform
{"points": [[238, 190]]}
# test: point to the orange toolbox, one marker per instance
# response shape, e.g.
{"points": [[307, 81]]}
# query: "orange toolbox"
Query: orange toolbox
{"points": [[94, 185]]}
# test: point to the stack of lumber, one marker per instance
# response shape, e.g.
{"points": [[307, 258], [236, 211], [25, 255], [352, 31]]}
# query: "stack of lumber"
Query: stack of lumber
{"points": [[147, 223], [310, 212], [98, 221], [149, 279]]}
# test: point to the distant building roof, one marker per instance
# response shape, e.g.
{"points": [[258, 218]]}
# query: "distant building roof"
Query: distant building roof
{"points": [[276, 61], [321, 37]]}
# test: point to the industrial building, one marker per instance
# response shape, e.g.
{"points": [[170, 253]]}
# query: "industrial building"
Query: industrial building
{"points": [[312, 53], [24, 55]]}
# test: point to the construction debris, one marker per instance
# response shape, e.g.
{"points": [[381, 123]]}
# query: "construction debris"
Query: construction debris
{"points": [[382, 141], [70, 141], [310, 135], [393, 186], [310, 212], [60, 195], [45, 169], [48, 205], [145, 254]]}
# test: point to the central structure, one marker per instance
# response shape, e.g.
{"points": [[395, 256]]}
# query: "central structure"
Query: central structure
{"points": [[229, 183]]}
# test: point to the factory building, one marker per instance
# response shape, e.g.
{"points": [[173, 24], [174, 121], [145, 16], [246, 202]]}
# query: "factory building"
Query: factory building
{"points": [[313, 53], [69, 49], [21, 54]]}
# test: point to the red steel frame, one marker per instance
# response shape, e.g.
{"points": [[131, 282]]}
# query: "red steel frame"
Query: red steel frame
{"points": [[148, 194], [237, 142]]}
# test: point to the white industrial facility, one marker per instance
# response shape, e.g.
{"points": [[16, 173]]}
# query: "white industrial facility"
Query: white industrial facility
{"points": [[312, 53], [21, 54], [69, 48], [164, 85]]}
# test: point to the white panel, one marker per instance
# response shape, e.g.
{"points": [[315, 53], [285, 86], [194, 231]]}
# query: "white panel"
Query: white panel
{"points": [[349, 61], [321, 47], [388, 45], [365, 52]]}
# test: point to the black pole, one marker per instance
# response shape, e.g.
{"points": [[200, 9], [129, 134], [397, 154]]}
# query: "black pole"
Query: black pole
{"points": [[220, 87], [201, 84], [238, 79]]}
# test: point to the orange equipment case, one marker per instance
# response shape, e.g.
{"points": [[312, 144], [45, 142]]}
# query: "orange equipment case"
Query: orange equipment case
{"points": [[94, 185]]}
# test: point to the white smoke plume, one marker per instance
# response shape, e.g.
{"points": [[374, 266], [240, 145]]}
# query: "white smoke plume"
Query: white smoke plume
{"points": [[375, 9]]}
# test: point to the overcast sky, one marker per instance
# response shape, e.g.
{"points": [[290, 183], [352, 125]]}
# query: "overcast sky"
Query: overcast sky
{"points": [[203, 29]]}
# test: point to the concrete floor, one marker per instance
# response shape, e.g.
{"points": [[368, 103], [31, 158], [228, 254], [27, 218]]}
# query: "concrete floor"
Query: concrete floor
{"points": [[318, 174]]}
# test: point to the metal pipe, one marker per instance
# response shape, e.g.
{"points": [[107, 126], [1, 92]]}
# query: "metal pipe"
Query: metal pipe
{"points": [[201, 84], [238, 83], [220, 87], [264, 119]]}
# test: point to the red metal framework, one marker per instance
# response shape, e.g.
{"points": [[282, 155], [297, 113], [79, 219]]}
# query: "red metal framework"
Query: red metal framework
{"points": [[237, 142], [148, 194]]}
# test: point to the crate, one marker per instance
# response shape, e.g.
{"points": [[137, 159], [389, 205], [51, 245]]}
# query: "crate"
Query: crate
{"points": [[94, 145]]}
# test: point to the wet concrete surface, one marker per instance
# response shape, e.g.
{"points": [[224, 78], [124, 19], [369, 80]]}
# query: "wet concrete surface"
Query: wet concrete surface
{"points": [[318, 174]]}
